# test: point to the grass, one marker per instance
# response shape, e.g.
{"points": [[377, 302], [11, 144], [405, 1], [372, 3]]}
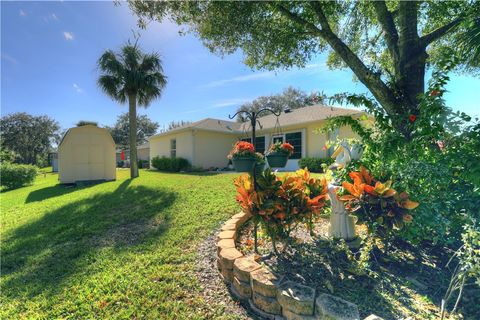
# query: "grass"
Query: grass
{"points": [[121, 249]]}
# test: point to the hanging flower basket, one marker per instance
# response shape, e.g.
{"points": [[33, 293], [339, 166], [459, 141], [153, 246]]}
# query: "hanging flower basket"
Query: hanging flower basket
{"points": [[243, 164], [243, 156], [277, 160], [278, 154]]}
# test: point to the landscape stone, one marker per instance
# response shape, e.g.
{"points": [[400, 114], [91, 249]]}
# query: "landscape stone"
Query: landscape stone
{"points": [[229, 226], [333, 308], [242, 217], [267, 304], [242, 268], [288, 315], [373, 317], [224, 244], [227, 275], [228, 234], [265, 282], [296, 298], [242, 288], [228, 256], [262, 314]]}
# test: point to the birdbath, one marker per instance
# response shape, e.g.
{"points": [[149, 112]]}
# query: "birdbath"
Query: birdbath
{"points": [[342, 225]]}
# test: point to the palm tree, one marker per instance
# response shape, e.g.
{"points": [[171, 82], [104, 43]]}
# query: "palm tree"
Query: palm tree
{"points": [[132, 76]]}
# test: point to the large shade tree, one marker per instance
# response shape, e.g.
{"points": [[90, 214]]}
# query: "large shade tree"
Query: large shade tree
{"points": [[121, 129], [29, 137], [135, 77], [388, 45]]}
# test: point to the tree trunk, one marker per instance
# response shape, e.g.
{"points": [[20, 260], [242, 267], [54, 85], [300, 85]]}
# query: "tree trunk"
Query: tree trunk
{"points": [[132, 114]]}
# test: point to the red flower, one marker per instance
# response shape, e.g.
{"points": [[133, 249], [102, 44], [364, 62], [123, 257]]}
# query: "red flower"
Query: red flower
{"points": [[412, 118], [434, 93]]}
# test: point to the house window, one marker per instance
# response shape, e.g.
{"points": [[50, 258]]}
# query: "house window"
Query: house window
{"points": [[259, 143], [295, 139], [278, 139], [173, 148]]}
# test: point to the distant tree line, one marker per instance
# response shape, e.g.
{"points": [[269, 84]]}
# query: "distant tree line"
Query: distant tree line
{"points": [[291, 98]]}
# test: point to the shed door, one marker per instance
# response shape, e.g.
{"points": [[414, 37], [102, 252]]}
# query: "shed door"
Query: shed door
{"points": [[89, 161]]}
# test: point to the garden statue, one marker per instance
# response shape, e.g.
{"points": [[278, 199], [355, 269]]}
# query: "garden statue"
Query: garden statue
{"points": [[342, 225]]}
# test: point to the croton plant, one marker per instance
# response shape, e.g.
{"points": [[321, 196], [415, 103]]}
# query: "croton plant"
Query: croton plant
{"points": [[242, 149], [282, 148], [376, 204], [283, 202]]}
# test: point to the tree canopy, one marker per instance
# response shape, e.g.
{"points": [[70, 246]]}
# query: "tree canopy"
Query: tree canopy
{"points": [[120, 131], [387, 44], [290, 98], [29, 137]]}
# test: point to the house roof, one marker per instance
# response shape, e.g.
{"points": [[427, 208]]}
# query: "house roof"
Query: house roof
{"points": [[302, 115], [294, 117], [208, 124]]}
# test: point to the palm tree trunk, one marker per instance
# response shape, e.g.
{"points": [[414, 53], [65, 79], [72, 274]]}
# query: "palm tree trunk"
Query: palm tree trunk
{"points": [[132, 114]]}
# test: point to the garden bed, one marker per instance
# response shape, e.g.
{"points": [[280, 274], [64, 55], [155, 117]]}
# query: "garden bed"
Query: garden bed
{"points": [[408, 282]]}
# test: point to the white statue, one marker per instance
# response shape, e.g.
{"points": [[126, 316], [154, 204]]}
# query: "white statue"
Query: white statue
{"points": [[342, 225]]}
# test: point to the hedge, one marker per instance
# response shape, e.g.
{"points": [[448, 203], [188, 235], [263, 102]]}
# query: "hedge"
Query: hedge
{"points": [[314, 164], [16, 175], [170, 164]]}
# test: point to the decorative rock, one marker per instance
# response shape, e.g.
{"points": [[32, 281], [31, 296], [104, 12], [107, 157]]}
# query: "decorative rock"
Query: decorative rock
{"points": [[334, 308], [227, 275], [267, 304], [263, 314], [242, 217], [373, 317], [296, 298], [229, 226], [242, 268], [224, 244], [219, 265], [264, 282], [288, 315], [228, 256], [228, 234], [242, 288]]}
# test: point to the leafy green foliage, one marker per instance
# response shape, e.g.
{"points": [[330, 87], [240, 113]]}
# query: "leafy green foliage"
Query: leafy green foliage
{"points": [[291, 98], [16, 175], [30, 137], [315, 164], [170, 164], [86, 123], [121, 129]]}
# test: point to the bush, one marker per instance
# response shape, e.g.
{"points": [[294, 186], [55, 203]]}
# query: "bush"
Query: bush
{"points": [[120, 164], [170, 164], [16, 175], [143, 164], [315, 164]]}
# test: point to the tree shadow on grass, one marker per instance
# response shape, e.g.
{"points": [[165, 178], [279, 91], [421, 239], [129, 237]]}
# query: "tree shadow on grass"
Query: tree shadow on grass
{"points": [[57, 191], [39, 256]]}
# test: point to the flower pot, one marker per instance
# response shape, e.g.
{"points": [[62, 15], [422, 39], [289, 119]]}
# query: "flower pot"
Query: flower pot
{"points": [[277, 160], [243, 164]]}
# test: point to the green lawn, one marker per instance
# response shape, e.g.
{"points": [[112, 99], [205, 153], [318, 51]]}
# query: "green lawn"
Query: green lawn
{"points": [[122, 249]]}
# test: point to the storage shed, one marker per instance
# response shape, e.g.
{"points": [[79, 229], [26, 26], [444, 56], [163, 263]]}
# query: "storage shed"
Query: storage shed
{"points": [[86, 153]]}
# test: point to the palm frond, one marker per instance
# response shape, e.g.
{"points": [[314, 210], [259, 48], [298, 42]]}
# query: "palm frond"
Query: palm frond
{"points": [[112, 86], [109, 64]]}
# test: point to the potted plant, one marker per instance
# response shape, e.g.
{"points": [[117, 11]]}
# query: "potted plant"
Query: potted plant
{"points": [[243, 156], [278, 154], [259, 163]]}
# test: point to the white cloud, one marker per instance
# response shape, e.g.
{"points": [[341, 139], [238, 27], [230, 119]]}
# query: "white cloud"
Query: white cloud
{"points": [[53, 16], [248, 77], [77, 88], [22, 13], [9, 58], [68, 35]]}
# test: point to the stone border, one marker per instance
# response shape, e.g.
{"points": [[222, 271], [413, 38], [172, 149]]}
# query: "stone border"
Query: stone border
{"points": [[270, 295]]}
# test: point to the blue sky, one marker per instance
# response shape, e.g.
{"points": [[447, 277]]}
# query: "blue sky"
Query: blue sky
{"points": [[48, 66]]}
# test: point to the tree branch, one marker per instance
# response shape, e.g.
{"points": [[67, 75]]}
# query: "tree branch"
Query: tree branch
{"points": [[371, 80], [438, 33], [385, 18], [296, 18]]}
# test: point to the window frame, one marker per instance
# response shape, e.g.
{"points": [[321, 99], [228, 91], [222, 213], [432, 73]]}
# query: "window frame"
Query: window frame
{"points": [[173, 151]]}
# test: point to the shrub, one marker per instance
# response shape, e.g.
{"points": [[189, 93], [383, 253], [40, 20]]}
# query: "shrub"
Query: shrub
{"points": [[317, 165], [170, 164], [143, 164], [120, 163], [282, 202], [376, 204], [16, 175]]}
